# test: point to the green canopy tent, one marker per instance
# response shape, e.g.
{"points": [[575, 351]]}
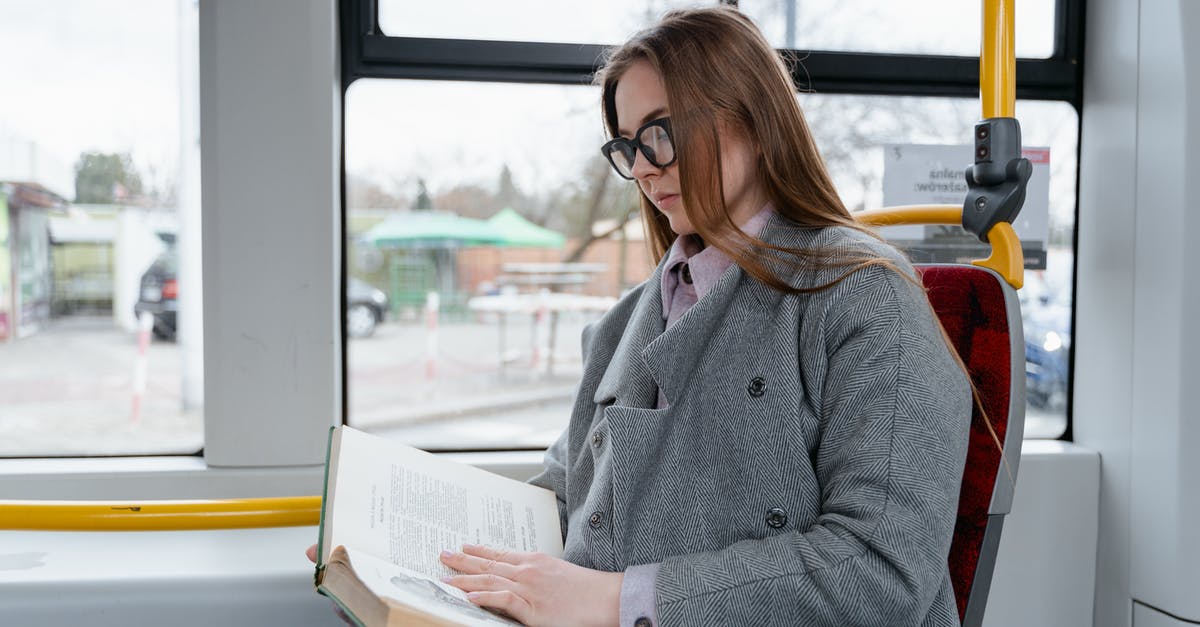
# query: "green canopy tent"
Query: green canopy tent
{"points": [[421, 245], [517, 231], [429, 229], [420, 253]]}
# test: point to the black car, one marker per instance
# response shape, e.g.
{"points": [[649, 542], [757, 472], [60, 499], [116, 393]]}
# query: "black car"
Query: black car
{"points": [[366, 306], [158, 295]]}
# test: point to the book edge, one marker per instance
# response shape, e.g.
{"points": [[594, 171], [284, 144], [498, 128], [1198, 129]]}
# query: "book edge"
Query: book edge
{"points": [[320, 567]]}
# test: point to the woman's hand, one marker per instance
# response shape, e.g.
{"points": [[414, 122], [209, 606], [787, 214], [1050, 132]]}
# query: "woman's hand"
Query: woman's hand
{"points": [[311, 553], [535, 588]]}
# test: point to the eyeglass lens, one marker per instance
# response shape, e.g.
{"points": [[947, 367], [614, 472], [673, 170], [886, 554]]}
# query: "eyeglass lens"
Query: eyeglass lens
{"points": [[656, 147]]}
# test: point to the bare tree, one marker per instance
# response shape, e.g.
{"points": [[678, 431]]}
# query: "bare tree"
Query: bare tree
{"points": [[365, 193]]}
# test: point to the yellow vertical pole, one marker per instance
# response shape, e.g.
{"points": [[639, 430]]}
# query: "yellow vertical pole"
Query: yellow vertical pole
{"points": [[998, 60]]}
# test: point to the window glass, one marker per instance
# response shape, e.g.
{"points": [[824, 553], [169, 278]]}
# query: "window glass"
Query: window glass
{"points": [[852, 132], [92, 224], [946, 27], [943, 27], [491, 360], [561, 21], [481, 239]]}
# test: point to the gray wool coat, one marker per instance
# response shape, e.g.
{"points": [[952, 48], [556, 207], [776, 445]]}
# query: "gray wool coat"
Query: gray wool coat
{"points": [[807, 467]]}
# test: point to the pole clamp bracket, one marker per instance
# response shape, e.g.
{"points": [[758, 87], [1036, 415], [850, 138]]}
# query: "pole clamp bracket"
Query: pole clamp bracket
{"points": [[996, 182]]}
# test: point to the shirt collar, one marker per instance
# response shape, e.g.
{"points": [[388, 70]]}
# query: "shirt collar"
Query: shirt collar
{"points": [[707, 265]]}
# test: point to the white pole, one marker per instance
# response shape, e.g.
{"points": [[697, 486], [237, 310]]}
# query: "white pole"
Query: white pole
{"points": [[541, 332], [145, 323], [432, 303], [189, 333]]}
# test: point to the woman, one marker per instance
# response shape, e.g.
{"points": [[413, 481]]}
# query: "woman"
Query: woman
{"points": [[771, 429]]}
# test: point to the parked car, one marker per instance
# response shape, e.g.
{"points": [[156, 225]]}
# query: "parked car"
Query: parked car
{"points": [[1046, 312], [159, 293], [366, 306]]}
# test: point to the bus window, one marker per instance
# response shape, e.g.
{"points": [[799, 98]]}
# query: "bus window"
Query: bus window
{"points": [[947, 27], [100, 343], [570, 21], [457, 350], [477, 339], [852, 131]]}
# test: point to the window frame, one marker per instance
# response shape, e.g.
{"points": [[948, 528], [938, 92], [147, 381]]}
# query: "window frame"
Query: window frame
{"points": [[269, 107], [369, 53]]}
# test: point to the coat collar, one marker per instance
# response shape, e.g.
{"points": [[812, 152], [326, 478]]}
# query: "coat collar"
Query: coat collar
{"points": [[648, 359], [627, 380]]}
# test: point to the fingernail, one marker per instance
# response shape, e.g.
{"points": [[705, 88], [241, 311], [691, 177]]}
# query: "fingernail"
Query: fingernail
{"points": [[447, 554], [447, 579]]}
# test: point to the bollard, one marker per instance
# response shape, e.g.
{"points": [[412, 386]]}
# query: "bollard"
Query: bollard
{"points": [[145, 324], [541, 333], [432, 303]]}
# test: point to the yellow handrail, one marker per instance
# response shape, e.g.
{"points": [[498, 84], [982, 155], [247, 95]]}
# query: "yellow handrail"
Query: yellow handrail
{"points": [[998, 60], [1007, 258], [290, 511]]}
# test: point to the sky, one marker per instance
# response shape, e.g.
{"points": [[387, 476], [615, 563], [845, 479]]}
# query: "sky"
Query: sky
{"points": [[103, 75], [452, 132], [82, 75], [924, 26]]}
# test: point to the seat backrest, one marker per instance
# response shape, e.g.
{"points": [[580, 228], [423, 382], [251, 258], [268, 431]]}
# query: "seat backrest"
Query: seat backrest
{"points": [[982, 317]]}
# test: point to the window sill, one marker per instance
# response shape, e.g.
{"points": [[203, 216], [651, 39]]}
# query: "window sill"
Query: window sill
{"points": [[189, 477]]}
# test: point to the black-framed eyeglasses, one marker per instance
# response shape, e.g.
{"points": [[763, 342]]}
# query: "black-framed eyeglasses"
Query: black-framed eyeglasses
{"points": [[653, 139]]}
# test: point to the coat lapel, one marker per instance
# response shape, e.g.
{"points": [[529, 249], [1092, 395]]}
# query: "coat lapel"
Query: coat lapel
{"points": [[647, 358], [673, 356], [627, 381]]}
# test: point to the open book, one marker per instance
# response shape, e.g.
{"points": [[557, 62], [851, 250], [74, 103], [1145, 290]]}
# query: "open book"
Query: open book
{"points": [[388, 512]]}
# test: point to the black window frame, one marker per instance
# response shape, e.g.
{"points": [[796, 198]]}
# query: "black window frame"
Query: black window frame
{"points": [[369, 53]]}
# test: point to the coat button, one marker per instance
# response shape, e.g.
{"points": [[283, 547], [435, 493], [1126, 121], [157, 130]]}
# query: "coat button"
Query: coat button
{"points": [[596, 519], [642, 621], [757, 387], [776, 518], [597, 439]]}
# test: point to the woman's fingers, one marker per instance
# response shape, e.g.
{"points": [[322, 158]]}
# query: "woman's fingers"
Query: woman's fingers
{"points": [[312, 553], [488, 579], [488, 552], [506, 601], [480, 583], [477, 564]]}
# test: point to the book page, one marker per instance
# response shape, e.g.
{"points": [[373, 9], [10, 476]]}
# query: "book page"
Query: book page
{"points": [[418, 591], [404, 505]]}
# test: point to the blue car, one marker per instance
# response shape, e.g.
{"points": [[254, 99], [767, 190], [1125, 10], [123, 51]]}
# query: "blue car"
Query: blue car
{"points": [[1046, 313]]}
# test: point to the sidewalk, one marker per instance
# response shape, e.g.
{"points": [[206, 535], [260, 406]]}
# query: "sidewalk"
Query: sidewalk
{"points": [[68, 389]]}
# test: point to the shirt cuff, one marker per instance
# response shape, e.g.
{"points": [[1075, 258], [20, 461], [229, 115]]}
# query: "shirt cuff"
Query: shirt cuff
{"points": [[637, 596]]}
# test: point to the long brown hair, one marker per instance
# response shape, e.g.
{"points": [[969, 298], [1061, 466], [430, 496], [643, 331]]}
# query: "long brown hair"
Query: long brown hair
{"points": [[717, 67]]}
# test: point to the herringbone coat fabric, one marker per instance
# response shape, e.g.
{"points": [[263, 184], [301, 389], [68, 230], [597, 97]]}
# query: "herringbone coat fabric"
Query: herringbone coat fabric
{"points": [[806, 469]]}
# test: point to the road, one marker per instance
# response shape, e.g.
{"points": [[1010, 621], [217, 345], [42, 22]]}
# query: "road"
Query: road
{"points": [[68, 390]]}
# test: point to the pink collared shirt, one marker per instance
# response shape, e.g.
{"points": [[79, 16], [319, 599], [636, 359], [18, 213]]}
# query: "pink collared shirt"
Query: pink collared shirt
{"points": [[688, 258]]}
